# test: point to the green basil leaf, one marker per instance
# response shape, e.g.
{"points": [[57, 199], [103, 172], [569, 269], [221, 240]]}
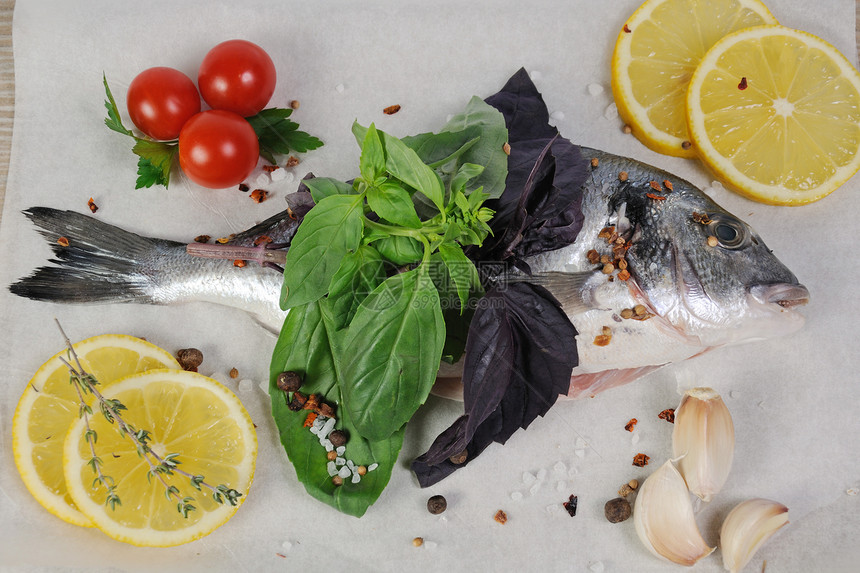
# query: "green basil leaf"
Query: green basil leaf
{"points": [[404, 164], [394, 204], [322, 187], [306, 345], [359, 274], [400, 250], [329, 230], [479, 120], [395, 343], [461, 270], [466, 173], [372, 161]]}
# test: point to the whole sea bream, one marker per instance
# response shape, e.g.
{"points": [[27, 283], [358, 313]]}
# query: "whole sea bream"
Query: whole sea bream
{"points": [[648, 268]]}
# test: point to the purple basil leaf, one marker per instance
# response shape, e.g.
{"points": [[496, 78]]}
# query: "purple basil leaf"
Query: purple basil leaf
{"points": [[520, 352], [540, 209]]}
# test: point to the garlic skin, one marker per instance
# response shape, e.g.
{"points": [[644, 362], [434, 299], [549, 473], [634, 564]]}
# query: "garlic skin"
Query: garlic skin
{"points": [[704, 440], [747, 527], [664, 519]]}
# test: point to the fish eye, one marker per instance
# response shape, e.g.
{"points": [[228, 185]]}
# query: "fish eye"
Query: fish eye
{"points": [[729, 232]]}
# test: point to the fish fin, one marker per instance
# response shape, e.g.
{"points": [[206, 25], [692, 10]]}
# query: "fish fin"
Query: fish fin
{"points": [[568, 288], [95, 261]]}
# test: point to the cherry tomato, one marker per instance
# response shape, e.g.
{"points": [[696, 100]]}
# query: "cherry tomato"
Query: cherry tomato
{"points": [[160, 101], [218, 149], [237, 76]]}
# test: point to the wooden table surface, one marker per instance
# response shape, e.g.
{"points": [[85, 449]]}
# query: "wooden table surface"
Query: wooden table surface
{"points": [[7, 87]]}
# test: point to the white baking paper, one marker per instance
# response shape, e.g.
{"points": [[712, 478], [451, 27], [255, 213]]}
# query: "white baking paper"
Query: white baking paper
{"points": [[795, 401]]}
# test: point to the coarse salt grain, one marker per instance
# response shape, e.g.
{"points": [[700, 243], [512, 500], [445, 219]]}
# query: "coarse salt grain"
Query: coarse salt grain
{"points": [[517, 495], [535, 75], [372, 467], [595, 89], [355, 478], [560, 467], [339, 461], [553, 509], [572, 472], [262, 180], [611, 112], [288, 177], [278, 175], [734, 394], [344, 472], [535, 488], [561, 486], [635, 439], [324, 442], [528, 478], [557, 115], [340, 450], [596, 567], [541, 475], [328, 427], [245, 385], [350, 465], [286, 545], [332, 468], [852, 491], [430, 544], [579, 453], [339, 88], [580, 442]]}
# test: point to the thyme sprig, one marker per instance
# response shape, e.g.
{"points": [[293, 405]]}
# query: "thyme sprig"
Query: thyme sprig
{"points": [[159, 467]]}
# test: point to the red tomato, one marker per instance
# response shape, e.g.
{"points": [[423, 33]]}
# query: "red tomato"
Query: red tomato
{"points": [[218, 149], [237, 76], [160, 101]]}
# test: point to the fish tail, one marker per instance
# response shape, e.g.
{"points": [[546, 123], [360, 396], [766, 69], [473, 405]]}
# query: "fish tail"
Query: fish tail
{"points": [[95, 261]]}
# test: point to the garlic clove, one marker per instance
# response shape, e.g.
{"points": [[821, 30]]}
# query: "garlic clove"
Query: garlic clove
{"points": [[704, 440], [747, 527], [664, 519]]}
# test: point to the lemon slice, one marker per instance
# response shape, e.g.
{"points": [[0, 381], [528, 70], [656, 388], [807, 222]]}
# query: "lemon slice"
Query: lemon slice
{"points": [[655, 55], [187, 414], [792, 135], [49, 405]]}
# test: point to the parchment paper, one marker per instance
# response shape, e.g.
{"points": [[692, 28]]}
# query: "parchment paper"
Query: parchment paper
{"points": [[795, 401]]}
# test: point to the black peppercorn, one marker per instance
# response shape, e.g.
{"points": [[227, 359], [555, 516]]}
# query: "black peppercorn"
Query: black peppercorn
{"points": [[289, 381], [189, 358], [617, 510], [437, 504], [459, 458], [337, 438]]}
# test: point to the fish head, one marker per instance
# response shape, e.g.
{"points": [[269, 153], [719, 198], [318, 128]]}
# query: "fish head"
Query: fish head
{"points": [[704, 271]]}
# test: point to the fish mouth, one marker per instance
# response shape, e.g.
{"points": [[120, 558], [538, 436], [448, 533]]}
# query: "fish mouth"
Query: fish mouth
{"points": [[785, 295]]}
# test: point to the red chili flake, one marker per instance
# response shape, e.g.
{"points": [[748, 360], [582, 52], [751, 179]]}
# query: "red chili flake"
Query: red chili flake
{"points": [[656, 186], [640, 460], [239, 263], [262, 239], [624, 275], [593, 257], [606, 232], [63, 242], [631, 424], [259, 195], [291, 214], [391, 110], [270, 168], [244, 188], [202, 239], [743, 84], [501, 517], [602, 339], [627, 29], [292, 161], [667, 184], [655, 197], [281, 555], [570, 505], [668, 414], [309, 421], [312, 403], [92, 205], [225, 240], [701, 218]]}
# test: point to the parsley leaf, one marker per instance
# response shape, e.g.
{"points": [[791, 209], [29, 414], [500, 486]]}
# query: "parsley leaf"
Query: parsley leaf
{"points": [[156, 160], [113, 120], [279, 135]]}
